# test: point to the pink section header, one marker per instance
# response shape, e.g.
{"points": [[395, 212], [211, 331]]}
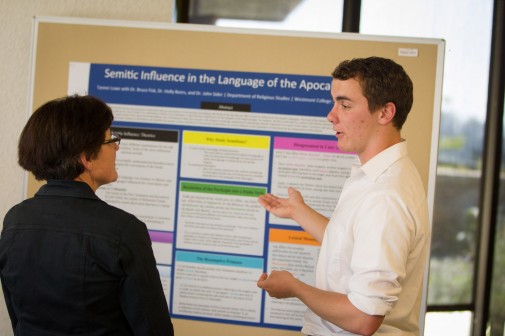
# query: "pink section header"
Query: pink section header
{"points": [[309, 145]]}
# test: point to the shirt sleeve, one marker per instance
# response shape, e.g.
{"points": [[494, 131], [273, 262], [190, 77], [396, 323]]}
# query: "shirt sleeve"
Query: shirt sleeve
{"points": [[8, 303], [382, 239], [142, 298]]}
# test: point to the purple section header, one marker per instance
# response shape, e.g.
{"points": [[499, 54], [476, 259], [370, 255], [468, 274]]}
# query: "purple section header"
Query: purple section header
{"points": [[161, 237]]}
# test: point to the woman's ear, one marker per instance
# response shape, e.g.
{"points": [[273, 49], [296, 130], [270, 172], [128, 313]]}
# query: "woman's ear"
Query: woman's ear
{"points": [[87, 163], [387, 113]]}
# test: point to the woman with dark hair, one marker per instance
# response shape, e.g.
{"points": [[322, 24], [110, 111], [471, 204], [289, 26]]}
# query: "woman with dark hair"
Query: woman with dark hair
{"points": [[70, 264]]}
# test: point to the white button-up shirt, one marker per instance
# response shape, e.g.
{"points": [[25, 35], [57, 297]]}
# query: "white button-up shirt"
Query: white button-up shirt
{"points": [[376, 245]]}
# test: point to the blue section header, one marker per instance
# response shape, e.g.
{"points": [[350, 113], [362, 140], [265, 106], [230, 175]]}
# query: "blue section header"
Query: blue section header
{"points": [[210, 89], [219, 259]]}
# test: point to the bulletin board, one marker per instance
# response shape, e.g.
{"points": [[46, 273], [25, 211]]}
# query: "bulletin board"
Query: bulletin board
{"points": [[217, 116]]}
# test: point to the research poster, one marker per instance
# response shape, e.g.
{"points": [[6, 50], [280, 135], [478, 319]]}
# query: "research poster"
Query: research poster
{"points": [[198, 147]]}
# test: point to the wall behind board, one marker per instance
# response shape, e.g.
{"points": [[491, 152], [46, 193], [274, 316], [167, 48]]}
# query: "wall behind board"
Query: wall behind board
{"points": [[16, 17]]}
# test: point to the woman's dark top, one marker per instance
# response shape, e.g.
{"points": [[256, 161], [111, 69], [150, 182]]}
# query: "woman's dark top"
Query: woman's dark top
{"points": [[70, 264]]}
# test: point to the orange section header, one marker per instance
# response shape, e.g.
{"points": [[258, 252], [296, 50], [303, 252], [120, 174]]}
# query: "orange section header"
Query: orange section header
{"points": [[292, 237]]}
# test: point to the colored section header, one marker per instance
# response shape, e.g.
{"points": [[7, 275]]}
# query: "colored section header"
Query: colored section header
{"points": [[161, 236], [218, 259], [292, 237], [224, 139], [309, 145], [147, 134], [222, 189]]}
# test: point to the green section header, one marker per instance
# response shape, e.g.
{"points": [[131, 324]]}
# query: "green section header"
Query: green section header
{"points": [[222, 189]]}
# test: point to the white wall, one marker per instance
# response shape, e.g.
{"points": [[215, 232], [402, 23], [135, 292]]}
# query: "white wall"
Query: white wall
{"points": [[16, 17]]}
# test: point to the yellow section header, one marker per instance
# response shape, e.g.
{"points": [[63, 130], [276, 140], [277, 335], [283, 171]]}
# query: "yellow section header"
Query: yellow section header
{"points": [[226, 139]]}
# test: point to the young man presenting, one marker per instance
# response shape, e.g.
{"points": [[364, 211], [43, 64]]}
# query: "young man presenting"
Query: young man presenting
{"points": [[374, 247]]}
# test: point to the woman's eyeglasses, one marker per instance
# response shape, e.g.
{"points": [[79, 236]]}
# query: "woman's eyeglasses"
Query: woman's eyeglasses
{"points": [[114, 137]]}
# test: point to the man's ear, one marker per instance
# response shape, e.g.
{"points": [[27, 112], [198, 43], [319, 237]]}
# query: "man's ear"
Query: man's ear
{"points": [[87, 163], [387, 113]]}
